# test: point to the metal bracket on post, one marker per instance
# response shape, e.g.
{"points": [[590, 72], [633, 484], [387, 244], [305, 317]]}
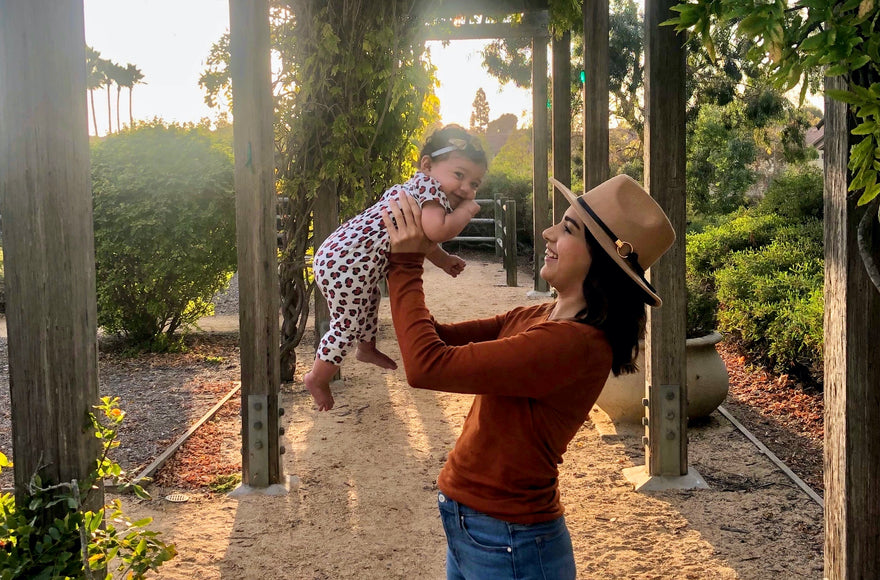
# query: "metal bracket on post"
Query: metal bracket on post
{"points": [[663, 405], [258, 440], [669, 429]]}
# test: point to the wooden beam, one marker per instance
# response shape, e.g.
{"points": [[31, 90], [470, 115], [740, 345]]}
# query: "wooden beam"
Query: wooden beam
{"points": [[665, 367], [852, 374], [259, 291], [540, 135], [561, 111], [491, 30], [48, 241], [449, 8]]}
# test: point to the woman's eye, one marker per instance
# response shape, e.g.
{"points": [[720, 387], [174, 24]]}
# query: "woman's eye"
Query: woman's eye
{"points": [[459, 175], [568, 231]]}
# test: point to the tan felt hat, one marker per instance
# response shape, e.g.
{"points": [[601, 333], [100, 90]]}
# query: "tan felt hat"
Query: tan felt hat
{"points": [[627, 223]]}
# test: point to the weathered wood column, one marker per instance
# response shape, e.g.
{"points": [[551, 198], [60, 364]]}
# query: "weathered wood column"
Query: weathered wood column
{"points": [[595, 92], [48, 241], [540, 138], [259, 291], [561, 112], [665, 366], [325, 220], [852, 370]]}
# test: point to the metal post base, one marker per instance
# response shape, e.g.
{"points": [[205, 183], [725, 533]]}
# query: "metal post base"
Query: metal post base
{"points": [[643, 481], [291, 483]]}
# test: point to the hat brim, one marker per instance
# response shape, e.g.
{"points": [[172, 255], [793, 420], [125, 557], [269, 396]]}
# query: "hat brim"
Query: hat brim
{"points": [[651, 296]]}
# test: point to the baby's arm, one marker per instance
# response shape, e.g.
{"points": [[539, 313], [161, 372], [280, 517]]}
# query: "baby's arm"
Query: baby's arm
{"points": [[452, 265], [442, 227]]}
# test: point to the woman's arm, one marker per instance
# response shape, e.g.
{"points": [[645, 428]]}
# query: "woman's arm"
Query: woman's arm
{"points": [[530, 363]]}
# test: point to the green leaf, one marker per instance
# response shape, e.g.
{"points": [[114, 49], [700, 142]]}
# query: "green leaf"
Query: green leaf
{"points": [[865, 128]]}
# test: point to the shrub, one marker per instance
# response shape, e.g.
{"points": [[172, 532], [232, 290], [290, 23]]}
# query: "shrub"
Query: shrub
{"points": [[771, 302], [164, 210], [796, 194], [520, 191], [709, 250], [32, 546]]}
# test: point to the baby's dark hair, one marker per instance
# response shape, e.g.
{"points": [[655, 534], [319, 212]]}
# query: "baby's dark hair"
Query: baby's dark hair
{"points": [[453, 138]]}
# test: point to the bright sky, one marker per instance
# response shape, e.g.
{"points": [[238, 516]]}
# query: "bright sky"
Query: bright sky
{"points": [[169, 41]]}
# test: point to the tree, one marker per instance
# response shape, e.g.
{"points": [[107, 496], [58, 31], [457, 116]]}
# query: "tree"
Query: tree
{"points": [[106, 71], [480, 114], [120, 76], [127, 78], [799, 43], [94, 79]]}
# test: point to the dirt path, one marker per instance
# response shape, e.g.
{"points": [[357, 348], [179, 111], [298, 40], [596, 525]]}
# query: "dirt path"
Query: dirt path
{"points": [[364, 500]]}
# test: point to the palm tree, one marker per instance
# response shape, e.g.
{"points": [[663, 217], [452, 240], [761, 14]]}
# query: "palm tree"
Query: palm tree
{"points": [[132, 76], [119, 75], [106, 69], [95, 79]]}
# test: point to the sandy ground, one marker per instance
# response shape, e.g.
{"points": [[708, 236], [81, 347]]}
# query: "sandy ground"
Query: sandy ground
{"points": [[363, 499]]}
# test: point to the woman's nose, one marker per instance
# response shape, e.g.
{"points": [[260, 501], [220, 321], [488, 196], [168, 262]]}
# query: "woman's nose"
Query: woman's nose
{"points": [[546, 233]]}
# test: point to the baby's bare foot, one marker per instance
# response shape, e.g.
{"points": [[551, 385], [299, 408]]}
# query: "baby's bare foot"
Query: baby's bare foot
{"points": [[368, 353], [320, 391]]}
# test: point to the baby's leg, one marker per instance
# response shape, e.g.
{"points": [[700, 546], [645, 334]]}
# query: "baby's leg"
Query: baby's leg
{"points": [[366, 350], [318, 383]]}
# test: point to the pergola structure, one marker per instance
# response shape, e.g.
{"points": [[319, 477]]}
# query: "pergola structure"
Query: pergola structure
{"points": [[45, 200]]}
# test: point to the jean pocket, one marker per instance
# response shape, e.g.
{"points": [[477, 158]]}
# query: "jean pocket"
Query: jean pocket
{"points": [[486, 532]]}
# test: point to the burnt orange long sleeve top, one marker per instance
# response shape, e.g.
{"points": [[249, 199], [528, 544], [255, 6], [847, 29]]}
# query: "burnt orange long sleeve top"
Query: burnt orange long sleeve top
{"points": [[535, 380]]}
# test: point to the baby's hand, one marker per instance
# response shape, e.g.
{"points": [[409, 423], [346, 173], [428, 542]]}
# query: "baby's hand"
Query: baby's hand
{"points": [[454, 266], [472, 206]]}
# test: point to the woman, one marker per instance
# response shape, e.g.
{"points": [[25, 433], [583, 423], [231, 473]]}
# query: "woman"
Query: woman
{"points": [[536, 372]]}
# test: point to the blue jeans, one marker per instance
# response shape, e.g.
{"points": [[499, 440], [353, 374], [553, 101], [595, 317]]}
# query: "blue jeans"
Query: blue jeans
{"points": [[480, 547]]}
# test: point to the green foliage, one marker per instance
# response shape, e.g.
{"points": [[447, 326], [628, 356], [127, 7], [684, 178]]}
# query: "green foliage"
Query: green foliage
{"points": [[799, 42], [510, 175], [164, 211], [720, 152], [709, 250], [772, 304], [225, 483], [796, 194], [78, 543]]}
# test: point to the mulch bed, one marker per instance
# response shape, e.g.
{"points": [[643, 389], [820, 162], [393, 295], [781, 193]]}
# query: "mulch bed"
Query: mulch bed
{"points": [[779, 412]]}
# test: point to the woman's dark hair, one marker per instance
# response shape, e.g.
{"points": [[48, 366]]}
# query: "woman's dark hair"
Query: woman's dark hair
{"points": [[615, 305], [454, 136]]}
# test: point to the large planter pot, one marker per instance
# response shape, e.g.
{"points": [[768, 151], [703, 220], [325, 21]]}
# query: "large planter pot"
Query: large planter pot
{"points": [[707, 384]]}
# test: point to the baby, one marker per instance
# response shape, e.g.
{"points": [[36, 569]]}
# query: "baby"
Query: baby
{"points": [[352, 260]]}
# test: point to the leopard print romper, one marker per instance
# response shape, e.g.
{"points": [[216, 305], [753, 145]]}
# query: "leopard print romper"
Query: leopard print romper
{"points": [[350, 263]]}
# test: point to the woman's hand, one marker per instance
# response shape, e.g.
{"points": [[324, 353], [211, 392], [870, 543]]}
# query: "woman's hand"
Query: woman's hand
{"points": [[405, 229]]}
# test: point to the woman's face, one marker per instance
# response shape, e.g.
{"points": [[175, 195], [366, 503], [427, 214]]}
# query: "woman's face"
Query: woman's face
{"points": [[459, 177], [567, 258]]}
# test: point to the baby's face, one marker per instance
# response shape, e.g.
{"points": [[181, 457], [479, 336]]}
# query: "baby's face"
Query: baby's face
{"points": [[459, 177]]}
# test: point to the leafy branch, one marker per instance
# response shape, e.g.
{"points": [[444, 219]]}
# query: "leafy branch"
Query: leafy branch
{"points": [[798, 44]]}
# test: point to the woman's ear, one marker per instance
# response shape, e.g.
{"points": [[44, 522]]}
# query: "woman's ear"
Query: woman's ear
{"points": [[425, 164]]}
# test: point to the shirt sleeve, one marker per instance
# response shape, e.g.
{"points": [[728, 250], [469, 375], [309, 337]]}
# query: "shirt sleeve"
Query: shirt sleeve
{"points": [[424, 188], [532, 363]]}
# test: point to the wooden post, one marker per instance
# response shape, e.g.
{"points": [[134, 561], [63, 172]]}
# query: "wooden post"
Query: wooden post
{"points": [[595, 92], [509, 243], [852, 380], [48, 242], [561, 111], [540, 182], [665, 366], [325, 219], [259, 291]]}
